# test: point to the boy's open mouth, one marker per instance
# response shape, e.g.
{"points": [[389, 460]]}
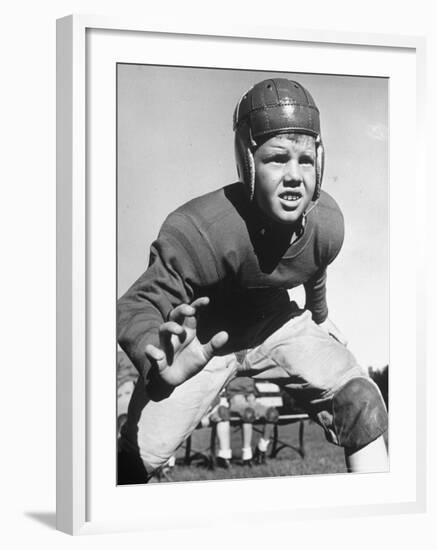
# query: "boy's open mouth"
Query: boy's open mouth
{"points": [[290, 196]]}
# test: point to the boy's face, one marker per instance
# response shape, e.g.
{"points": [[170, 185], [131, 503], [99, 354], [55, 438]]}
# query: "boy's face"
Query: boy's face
{"points": [[285, 176]]}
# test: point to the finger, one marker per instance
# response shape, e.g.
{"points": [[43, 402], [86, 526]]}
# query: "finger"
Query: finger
{"points": [[215, 344], [171, 328], [179, 313], [166, 333], [185, 315], [156, 356], [200, 303], [190, 321]]}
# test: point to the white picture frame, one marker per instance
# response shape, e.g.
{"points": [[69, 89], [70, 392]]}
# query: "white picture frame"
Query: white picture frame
{"points": [[82, 496]]}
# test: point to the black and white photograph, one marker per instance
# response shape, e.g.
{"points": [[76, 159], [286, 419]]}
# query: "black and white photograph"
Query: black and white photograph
{"points": [[219, 239], [252, 257]]}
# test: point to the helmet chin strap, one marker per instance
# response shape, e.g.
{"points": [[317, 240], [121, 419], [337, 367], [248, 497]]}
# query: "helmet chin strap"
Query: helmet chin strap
{"points": [[303, 222]]}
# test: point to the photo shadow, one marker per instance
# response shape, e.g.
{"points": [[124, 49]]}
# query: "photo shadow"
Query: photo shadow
{"points": [[46, 518]]}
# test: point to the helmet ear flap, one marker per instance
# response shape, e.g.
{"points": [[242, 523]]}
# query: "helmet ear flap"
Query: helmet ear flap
{"points": [[320, 164], [244, 159]]}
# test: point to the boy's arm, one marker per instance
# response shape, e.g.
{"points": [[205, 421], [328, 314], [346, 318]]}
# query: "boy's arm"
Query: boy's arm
{"points": [[330, 235], [175, 271], [315, 293]]}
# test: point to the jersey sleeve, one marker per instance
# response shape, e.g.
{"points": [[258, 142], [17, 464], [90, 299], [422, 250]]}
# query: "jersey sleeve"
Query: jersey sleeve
{"points": [[330, 237], [315, 292], [180, 264]]}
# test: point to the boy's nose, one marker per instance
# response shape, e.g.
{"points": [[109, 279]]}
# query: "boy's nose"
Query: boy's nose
{"points": [[292, 175]]}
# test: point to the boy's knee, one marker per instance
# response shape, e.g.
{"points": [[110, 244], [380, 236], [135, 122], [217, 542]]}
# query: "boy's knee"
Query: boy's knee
{"points": [[223, 413], [248, 415], [359, 414], [272, 415]]}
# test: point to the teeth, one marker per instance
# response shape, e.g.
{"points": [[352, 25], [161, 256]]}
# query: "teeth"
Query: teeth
{"points": [[290, 198]]}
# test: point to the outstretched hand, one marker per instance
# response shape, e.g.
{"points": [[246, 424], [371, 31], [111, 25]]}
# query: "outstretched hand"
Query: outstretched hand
{"points": [[181, 355]]}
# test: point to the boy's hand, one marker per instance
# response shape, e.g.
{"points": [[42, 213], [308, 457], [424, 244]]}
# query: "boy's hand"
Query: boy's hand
{"points": [[181, 355], [331, 329]]}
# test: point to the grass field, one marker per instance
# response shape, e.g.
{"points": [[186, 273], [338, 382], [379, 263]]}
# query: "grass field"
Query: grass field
{"points": [[321, 457]]}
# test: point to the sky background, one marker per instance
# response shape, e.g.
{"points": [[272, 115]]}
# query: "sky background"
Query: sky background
{"points": [[175, 142]]}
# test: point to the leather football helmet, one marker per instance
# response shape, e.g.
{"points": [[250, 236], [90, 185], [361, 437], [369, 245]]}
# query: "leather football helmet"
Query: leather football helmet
{"points": [[273, 106]]}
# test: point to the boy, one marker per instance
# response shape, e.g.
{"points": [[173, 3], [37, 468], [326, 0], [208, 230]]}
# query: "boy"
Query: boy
{"points": [[214, 298]]}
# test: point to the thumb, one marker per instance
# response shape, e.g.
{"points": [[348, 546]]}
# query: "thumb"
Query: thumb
{"points": [[216, 342], [156, 356]]}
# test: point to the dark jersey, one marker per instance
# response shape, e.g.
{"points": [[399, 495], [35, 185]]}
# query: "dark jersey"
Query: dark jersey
{"points": [[219, 246]]}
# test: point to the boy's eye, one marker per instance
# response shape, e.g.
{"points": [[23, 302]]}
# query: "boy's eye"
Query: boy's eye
{"points": [[280, 159], [306, 159]]}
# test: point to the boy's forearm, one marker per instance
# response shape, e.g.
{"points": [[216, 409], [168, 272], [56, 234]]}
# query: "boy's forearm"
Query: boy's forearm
{"points": [[315, 291], [139, 317], [146, 305], [136, 329], [133, 338]]}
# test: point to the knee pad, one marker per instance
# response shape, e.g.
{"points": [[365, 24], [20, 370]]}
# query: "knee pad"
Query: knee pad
{"points": [[223, 413], [248, 415], [359, 414], [272, 415]]}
